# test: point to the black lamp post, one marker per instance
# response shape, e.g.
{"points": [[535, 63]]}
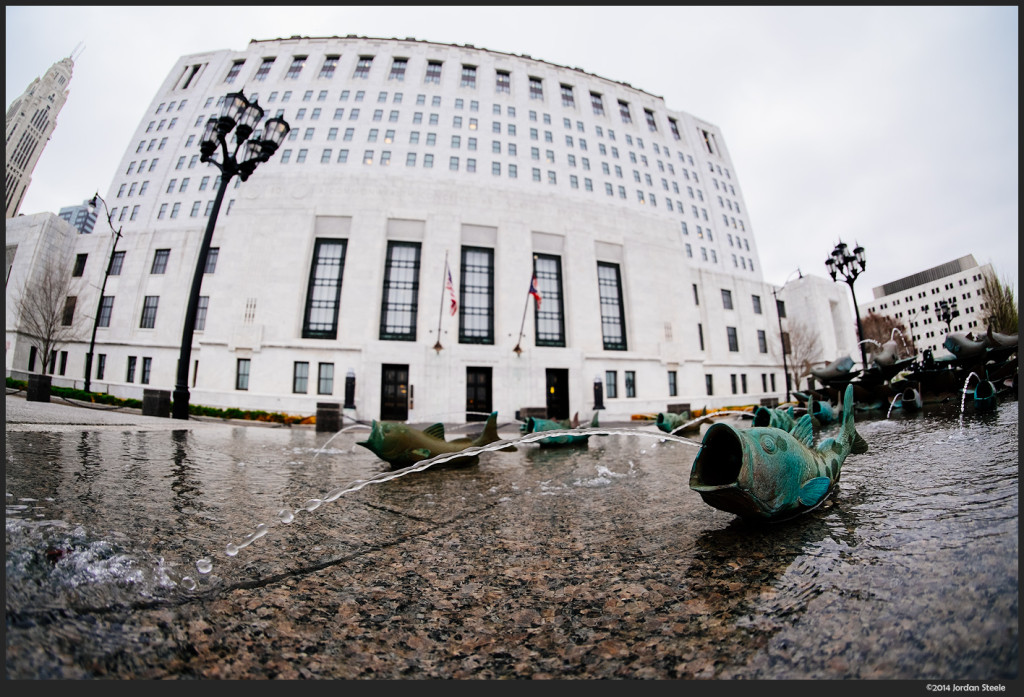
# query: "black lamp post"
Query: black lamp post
{"points": [[99, 306], [850, 266], [242, 116], [598, 393], [946, 311], [782, 335]]}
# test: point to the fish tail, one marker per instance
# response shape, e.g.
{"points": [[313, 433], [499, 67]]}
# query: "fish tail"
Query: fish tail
{"points": [[490, 434], [857, 444]]}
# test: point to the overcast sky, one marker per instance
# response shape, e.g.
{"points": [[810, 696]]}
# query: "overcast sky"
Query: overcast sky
{"points": [[893, 127]]}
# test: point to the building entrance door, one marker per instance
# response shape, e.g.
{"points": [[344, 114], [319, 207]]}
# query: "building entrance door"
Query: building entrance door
{"points": [[478, 394], [558, 393], [394, 392]]}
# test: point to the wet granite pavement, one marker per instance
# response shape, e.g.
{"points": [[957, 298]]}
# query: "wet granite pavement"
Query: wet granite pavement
{"points": [[539, 564]]}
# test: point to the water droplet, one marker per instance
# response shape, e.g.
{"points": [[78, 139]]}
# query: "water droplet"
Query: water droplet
{"points": [[285, 515], [188, 583], [312, 504], [231, 550], [205, 566]]}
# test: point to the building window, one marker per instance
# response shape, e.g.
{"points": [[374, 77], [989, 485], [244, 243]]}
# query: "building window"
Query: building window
{"points": [[651, 124], [503, 82], [398, 69], [233, 71], [79, 264], [673, 389], [363, 67], [300, 377], [401, 291], [613, 322], [567, 97], [69, 310], [101, 366], [709, 384], [757, 303], [726, 299], [130, 373], [548, 318], [149, 306], [433, 72], [611, 384], [264, 69], [476, 296], [242, 374], [325, 379], [630, 383], [324, 292], [327, 70], [624, 112], [762, 341], [536, 88], [597, 104], [468, 76], [734, 344], [732, 382], [106, 307], [160, 258]]}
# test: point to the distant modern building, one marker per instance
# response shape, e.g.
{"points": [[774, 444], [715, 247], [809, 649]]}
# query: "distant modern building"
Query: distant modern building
{"points": [[329, 263], [31, 119], [915, 301], [82, 217]]}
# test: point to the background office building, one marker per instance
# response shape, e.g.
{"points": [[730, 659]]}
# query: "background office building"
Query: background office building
{"points": [[915, 300], [405, 158]]}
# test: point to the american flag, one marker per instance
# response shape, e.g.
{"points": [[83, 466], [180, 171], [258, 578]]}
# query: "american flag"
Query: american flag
{"points": [[451, 289], [533, 290]]}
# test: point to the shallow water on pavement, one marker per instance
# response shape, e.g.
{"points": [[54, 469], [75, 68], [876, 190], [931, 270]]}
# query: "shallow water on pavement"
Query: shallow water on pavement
{"points": [[910, 572]]}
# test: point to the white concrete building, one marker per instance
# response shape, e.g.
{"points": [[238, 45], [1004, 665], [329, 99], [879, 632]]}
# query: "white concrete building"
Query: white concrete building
{"points": [[330, 259], [915, 301], [31, 120]]}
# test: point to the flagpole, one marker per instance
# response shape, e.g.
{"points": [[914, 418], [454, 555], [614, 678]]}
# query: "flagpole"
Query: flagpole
{"points": [[440, 312], [517, 350]]}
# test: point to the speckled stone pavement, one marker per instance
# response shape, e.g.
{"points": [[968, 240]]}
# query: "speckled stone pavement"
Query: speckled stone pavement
{"points": [[473, 574]]}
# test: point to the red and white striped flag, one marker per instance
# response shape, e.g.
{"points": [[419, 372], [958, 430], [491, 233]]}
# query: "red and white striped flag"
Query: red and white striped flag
{"points": [[451, 289], [533, 290]]}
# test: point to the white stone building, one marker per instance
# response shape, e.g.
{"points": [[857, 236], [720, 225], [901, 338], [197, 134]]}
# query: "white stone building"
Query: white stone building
{"points": [[915, 301], [405, 153], [31, 120]]}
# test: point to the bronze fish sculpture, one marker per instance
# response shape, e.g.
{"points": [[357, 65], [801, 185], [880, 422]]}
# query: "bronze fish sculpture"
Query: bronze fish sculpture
{"points": [[839, 368], [533, 425], [681, 424], [401, 446], [768, 474]]}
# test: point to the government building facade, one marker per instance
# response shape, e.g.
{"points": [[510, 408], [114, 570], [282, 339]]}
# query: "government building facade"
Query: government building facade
{"points": [[408, 160]]}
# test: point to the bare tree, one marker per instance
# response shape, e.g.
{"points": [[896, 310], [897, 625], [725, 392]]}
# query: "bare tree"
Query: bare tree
{"points": [[803, 350], [881, 328], [1000, 306], [46, 308]]}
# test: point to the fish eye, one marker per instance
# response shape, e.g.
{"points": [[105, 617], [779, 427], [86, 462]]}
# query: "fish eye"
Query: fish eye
{"points": [[768, 444]]}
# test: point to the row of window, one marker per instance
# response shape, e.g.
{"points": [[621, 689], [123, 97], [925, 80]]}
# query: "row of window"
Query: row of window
{"points": [[468, 79]]}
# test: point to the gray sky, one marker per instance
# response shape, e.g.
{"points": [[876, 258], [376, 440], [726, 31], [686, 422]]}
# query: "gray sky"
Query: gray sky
{"points": [[893, 127]]}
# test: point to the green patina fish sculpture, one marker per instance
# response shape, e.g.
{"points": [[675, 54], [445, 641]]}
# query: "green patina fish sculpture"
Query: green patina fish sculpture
{"points": [[681, 424], [766, 473], [401, 446], [532, 425]]}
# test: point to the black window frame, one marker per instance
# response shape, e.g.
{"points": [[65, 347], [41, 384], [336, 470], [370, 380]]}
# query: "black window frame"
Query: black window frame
{"points": [[476, 296], [399, 306], [319, 279], [549, 323], [613, 315]]}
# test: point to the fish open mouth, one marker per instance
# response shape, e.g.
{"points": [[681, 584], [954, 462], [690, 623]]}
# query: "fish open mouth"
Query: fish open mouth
{"points": [[720, 459]]}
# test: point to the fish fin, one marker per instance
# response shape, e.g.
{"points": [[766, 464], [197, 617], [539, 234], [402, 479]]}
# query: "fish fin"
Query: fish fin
{"points": [[435, 431], [804, 430], [593, 421], [490, 434], [575, 423], [860, 446], [814, 490], [422, 453]]}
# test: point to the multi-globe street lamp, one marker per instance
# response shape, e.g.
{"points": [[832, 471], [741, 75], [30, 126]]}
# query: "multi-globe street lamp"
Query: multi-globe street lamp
{"points": [[850, 266], [241, 116], [946, 310], [93, 202]]}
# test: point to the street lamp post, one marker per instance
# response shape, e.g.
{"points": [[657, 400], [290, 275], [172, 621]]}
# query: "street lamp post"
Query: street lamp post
{"points": [[106, 274], [850, 266], [242, 116], [946, 310], [782, 336]]}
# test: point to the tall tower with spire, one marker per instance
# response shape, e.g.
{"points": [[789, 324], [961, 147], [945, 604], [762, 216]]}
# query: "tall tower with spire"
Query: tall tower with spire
{"points": [[31, 119]]}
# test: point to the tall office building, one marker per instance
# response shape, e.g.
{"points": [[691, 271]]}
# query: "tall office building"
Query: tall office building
{"points": [[82, 217], [407, 159], [915, 300]]}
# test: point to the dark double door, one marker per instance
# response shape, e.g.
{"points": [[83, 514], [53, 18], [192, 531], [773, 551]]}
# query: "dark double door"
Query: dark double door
{"points": [[394, 392], [557, 380], [478, 394]]}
